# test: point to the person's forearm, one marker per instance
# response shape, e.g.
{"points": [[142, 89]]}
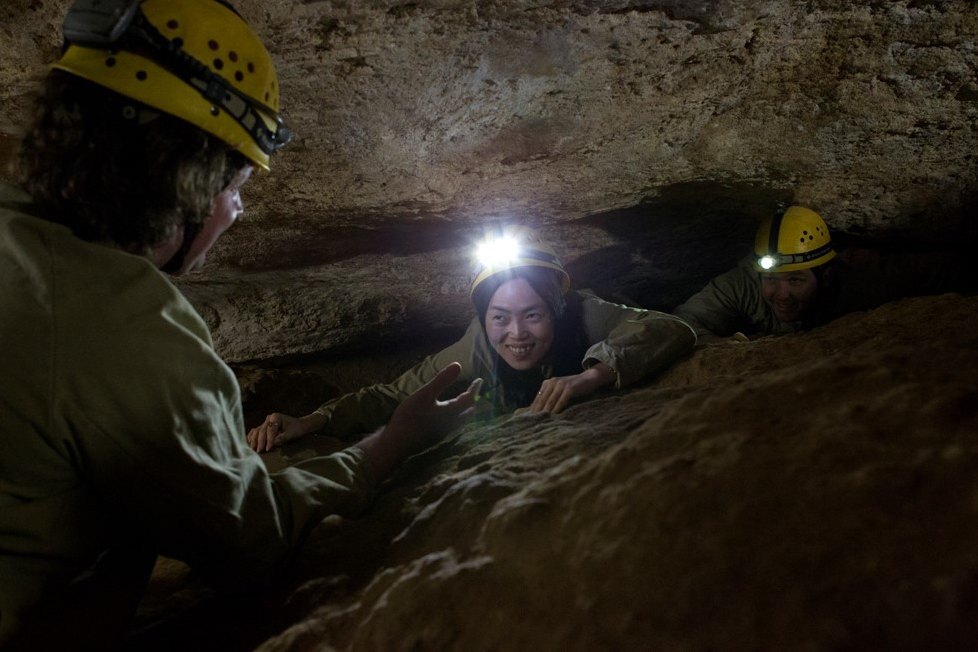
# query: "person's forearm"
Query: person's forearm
{"points": [[311, 423], [383, 451], [601, 374]]}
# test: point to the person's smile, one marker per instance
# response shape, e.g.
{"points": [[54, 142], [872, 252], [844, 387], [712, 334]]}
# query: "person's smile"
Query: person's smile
{"points": [[519, 325]]}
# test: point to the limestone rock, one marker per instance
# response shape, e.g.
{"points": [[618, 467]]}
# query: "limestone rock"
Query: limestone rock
{"points": [[664, 130], [812, 491]]}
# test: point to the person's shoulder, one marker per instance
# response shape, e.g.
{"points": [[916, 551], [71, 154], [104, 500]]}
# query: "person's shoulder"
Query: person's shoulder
{"points": [[20, 222], [474, 327], [13, 197], [580, 295], [579, 302], [583, 296], [104, 288], [741, 277], [745, 266]]}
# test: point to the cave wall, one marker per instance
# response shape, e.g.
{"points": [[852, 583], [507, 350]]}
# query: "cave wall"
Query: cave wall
{"points": [[645, 138], [814, 491]]}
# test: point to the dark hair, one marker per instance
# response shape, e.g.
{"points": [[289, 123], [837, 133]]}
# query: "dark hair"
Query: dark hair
{"points": [[570, 340], [113, 170], [545, 282]]}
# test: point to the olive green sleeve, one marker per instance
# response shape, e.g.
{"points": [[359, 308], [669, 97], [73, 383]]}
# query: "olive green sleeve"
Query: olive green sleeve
{"points": [[729, 303], [635, 343], [123, 430], [369, 408], [162, 444]]}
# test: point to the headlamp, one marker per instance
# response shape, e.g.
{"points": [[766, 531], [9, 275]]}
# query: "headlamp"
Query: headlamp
{"points": [[120, 24], [771, 261], [513, 247], [497, 252]]}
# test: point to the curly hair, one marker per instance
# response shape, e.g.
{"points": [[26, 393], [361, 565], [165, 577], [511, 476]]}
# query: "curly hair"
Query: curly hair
{"points": [[115, 171]]}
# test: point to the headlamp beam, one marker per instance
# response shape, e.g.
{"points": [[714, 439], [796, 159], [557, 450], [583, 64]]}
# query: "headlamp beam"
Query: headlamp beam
{"points": [[497, 252]]}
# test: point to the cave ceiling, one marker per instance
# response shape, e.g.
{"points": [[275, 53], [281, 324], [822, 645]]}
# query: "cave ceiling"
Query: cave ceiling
{"points": [[645, 139]]}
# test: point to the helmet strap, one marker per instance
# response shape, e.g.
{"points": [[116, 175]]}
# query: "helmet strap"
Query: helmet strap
{"points": [[245, 110], [121, 24], [175, 263], [772, 244]]}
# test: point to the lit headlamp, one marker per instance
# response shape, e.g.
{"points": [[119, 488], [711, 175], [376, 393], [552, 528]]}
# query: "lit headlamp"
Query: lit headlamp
{"points": [[497, 252], [772, 261], [511, 248], [767, 262]]}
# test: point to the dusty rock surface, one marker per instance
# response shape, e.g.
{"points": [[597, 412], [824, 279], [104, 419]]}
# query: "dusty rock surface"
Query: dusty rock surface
{"points": [[648, 136], [815, 491]]}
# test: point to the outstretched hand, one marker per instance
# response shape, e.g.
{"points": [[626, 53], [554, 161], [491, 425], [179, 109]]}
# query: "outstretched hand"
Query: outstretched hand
{"points": [[419, 421]]}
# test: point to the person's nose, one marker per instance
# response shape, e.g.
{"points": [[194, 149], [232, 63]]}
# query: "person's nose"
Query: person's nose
{"points": [[237, 206], [782, 290], [516, 329]]}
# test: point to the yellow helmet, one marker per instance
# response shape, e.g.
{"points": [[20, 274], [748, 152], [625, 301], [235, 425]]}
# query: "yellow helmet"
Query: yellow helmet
{"points": [[512, 247], [794, 239], [195, 59]]}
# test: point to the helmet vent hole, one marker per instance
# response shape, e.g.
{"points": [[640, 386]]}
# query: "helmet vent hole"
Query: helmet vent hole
{"points": [[110, 62], [239, 76], [811, 237], [173, 23], [141, 75], [251, 67], [218, 64], [232, 55], [213, 45], [266, 98]]}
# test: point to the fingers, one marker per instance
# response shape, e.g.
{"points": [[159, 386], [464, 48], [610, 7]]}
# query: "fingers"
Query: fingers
{"points": [[562, 401], [256, 438], [554, 400], [273, 429], [540, 400], [547, 396], [462, 407], [554, 395], [464, 403], [474, 387], [263, 438], [467, 398], [434, 387]]}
